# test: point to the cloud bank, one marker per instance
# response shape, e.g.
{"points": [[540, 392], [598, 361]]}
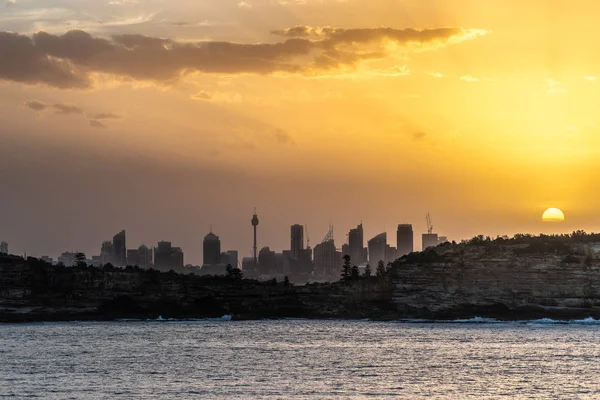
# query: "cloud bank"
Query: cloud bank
{"points": [[71, 60]]}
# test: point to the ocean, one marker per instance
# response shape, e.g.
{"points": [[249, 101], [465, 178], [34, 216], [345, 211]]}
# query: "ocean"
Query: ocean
{"points": [[299, 359]]}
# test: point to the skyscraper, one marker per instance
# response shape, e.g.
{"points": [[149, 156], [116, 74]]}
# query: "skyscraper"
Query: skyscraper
{"points": [[4, 248], [430, 240], [326, 260], [212, 249], [404, 240], [297, 241], [167, 257], [120, 249], [145, 256], [106, 253], [377, 247], [356, 245]]}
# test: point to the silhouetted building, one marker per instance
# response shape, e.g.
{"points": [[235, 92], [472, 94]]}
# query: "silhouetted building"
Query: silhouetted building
{"points": [[297, 241], [430, 240], [133, 257], [248, 264], [356, 244], [47, 259], [145, 257], [4, 248], [212, 249], [167, 257], [377, 247], [326, 265], [442, 239], [119, 258], [390, 254], [267, 263], [404, 240], [230, 257], [68, 259], [106, 253]]}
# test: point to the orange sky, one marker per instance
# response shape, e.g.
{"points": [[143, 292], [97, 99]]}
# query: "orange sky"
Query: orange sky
{"points": [[163, 118]]}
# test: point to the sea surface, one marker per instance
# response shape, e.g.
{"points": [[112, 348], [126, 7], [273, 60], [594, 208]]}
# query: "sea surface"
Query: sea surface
{"points": [[297, 359]]}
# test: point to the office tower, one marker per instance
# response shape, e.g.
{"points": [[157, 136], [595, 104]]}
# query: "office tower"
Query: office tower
{"points": [[377, 247], [356, 245], [4, 248], [120, 249], [212, 249], [167, 257], [404, 240], [230, 257], [133, 257], [430, 240], [325, 254], [145, 256], [297, 241], [267, 262], [106, 253], [68, 259]]}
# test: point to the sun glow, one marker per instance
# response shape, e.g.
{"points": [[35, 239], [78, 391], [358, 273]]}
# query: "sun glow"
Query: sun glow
{"points": [[553, 215]]}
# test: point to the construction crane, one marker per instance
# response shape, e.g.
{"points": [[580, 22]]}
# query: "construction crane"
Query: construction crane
{"points": [[429, 224]]}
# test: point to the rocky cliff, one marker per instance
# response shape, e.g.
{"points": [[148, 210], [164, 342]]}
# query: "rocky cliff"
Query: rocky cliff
{"points": [[554, 277]]}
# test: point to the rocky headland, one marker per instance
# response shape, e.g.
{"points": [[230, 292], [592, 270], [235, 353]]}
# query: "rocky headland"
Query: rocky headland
{"points": [[521, 278]]}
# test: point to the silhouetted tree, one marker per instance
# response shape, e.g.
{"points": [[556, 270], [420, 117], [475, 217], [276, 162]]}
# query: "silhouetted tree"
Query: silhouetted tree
{"points": [[354, 273], [346, 269], [367, 273], [233, 273], [80, 260], [380, 269], [286, 282]]}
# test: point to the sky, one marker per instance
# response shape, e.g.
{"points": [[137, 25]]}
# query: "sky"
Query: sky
{"points": [[167, 118]]}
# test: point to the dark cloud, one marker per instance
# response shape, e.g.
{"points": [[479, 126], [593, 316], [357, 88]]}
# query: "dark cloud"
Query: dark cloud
{"points": [[66, 109], [96, 124], [68, 61], [283, 137], [419, 136], [106, 116], [35, 105]]}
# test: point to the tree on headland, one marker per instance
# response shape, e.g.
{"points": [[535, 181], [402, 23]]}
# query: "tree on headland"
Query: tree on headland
{"points": [[354, 273], [234, 273], [347, 268], [286, 282], [80, 260], [381, 270], [367, 273]]}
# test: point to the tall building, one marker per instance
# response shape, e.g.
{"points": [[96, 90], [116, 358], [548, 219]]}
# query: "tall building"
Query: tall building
{"points": [[167, 257], [326, 258], [212, 249], [120, 249], [230, 257], [145, 256], [404, 240], [356, 245], [4, 248], [267, 261], [106, 253], [133, 257], [430, 240], [377, 247], [297, 241]]}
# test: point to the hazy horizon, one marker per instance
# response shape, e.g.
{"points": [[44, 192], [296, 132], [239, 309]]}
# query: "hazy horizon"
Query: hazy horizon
{"points": [[166, 118]]}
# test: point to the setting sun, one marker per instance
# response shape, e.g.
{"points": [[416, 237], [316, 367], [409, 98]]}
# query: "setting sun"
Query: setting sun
{"points": [[553, 215]]}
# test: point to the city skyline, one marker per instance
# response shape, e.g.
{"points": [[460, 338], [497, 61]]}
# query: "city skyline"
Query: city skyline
{"points": [[315, 112]]}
